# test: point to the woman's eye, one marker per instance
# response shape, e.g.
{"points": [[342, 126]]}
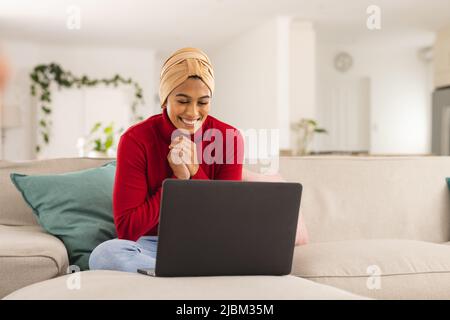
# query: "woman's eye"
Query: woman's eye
{"points": [[183, 102], [203, 103]]}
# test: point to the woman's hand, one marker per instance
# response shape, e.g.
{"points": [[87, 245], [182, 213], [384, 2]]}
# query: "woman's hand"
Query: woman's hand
{"points": [[179, 169], [187, 151]]}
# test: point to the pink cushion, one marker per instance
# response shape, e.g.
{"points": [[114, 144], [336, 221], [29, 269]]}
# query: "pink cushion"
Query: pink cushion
{"points": [[302, 233]]}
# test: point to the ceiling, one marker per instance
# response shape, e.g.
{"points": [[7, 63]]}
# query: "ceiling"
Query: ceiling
{"points": [[168, 24]]}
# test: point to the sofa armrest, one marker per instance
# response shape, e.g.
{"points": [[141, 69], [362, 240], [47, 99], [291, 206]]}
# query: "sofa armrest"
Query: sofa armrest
{"points": [[28, 255]]}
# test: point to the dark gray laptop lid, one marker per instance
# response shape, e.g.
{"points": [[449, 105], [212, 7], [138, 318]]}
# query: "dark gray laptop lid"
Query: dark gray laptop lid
{"points": [[214, 227]]}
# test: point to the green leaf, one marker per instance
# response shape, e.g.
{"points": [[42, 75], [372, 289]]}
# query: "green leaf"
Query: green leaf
{"points": [[109, 129], [34, 77], [45, 136], [65, 83], [109, 142], [43, 123], [46, 96], [98, 145], [95, 127], [46, 110], [40, 68]]}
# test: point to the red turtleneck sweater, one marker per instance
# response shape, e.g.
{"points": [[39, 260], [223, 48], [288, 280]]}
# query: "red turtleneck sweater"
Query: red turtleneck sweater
{"points": [[142, 167]]}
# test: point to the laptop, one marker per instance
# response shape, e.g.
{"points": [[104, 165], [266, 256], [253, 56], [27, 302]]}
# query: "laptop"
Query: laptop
{"points": [[226, 228]]}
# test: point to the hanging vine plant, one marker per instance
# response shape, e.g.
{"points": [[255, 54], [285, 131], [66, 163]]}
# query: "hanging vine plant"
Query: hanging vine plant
{"points": [[44, 75]]}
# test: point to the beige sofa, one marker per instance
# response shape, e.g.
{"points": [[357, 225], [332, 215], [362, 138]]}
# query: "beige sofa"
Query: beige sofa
{"points": [[379, 227]]}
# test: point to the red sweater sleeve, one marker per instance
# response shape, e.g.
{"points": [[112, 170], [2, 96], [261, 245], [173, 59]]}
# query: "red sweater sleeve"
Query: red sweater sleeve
{"points": [[231, 169], [135, 211]]}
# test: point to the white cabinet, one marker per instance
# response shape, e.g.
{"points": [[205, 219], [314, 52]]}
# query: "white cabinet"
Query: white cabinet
{"points": [[76, 111], [441, 52]]}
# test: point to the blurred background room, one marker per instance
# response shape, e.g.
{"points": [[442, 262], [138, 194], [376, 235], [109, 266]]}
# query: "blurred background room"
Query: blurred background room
{"points": [[334, 77]]}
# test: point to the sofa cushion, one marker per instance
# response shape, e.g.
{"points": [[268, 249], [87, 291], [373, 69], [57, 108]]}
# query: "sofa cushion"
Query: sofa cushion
{"points": [[106, 284], [350, 198], [74, 206], [27, 255], [14, 210], [386, 269]]}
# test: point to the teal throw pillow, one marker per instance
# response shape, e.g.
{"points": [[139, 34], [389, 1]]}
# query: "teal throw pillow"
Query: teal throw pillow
{"points": [[76, 207]]}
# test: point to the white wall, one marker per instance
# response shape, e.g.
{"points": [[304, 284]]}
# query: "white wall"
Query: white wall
{"points": [[265, 78], [96, 62], [246, 79], [18, 143], [441, 53], [400, 94], [302, 73], [246, 84]]}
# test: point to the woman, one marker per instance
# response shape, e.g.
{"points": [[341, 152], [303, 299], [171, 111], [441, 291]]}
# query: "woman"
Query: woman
{"points": [[173, 144]]}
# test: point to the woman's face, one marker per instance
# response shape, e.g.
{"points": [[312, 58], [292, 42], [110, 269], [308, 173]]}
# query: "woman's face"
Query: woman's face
{"points": [[188, 104]]}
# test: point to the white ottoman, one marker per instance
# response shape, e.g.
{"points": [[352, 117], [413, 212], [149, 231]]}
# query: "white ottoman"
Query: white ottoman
{"points": [[100, 284]]}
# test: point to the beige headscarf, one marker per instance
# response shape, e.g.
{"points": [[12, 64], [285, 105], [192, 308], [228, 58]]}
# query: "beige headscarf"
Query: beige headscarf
{"points": [[182, 64]]}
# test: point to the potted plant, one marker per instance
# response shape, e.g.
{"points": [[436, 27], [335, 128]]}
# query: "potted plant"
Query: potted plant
{"points": [[305, 129], [100, 142]]}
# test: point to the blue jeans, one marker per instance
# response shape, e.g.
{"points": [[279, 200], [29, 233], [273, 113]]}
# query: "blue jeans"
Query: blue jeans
{"points": [[125, 255]]}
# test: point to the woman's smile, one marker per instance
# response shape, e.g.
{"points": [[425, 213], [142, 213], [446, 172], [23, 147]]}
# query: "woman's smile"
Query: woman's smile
{"points": [[189, 122]]}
